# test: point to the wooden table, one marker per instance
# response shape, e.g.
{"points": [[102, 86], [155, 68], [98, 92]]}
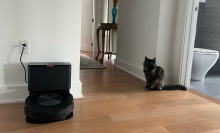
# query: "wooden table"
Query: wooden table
{"points": [[105, 27]]}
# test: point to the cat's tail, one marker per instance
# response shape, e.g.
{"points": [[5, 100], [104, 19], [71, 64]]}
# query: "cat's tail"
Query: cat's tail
{"points": [[175, 87]]}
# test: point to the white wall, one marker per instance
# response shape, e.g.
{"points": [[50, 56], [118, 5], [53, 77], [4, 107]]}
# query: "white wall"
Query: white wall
{"points": [[105, 11], [146, 28], [53, 28], [166, 36], [137, 34]]}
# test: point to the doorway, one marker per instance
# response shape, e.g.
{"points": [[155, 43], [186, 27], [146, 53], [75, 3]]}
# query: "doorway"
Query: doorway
{"points": [[86, 25], [184, 44], [205, 75]]}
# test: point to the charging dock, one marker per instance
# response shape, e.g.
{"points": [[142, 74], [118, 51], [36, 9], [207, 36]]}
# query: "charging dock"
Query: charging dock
{"points": [[49, 99]]}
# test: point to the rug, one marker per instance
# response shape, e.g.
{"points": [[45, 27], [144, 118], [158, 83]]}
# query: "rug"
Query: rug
{"points": [[87, 62]]}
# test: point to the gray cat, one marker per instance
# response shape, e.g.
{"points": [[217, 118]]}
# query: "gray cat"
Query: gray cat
{"points": [[155, 77]]}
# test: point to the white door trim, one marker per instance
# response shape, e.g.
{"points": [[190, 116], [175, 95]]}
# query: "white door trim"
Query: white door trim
{"points": [[184, 41], [189, 52]]}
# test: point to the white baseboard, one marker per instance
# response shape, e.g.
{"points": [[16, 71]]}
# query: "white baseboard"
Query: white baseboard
{"points": [[85, 47], [12, 101], [76, 89], [203, 1], [137, 72], [18, 94], [77, 96]]}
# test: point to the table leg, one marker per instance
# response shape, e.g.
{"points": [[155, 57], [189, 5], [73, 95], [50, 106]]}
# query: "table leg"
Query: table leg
{"points": [[109, 56], [97, 34], [109, 36], [103, 42], [106, 48]]}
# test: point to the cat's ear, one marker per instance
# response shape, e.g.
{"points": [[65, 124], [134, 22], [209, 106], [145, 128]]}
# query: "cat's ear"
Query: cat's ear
{"points": [[154, 59], [146, 57]]}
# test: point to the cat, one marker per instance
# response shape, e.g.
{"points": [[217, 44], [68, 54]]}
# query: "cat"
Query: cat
{"points": [[155, 77]]}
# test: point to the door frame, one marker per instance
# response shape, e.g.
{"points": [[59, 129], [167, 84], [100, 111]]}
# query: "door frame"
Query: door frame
{"points": [[97, 16], [184, 41]]}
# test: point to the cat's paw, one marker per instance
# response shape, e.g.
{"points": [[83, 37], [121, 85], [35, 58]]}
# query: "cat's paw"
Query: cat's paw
{"points": [[150, 88], [147, 87], [155, 89], [160, 89]]}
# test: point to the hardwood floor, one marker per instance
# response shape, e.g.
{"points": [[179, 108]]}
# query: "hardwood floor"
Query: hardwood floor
{"points": [[115, 101]]}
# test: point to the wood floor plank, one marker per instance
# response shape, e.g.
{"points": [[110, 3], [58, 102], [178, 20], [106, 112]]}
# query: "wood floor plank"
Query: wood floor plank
{"points": [[194, 116], [153, 125], [206, 106], [11, 106], [102, 96], [169, 104], [195, 127], [213, 131], [153, 130], [131, 115], [176, 98], [103, 111], [113, 85]]}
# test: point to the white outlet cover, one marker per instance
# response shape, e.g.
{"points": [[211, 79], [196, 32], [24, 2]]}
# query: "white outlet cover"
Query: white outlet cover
{"points": [[27, 48]]}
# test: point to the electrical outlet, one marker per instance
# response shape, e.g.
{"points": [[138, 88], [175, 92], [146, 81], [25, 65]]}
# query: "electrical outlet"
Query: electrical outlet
{"points": [[27, 48]]}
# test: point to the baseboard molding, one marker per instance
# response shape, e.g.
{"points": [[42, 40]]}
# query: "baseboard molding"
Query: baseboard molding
{"points": [[137, 72], [76, 89], [85, 47], [78, 96], [12, 101], [203, 1], [18, 94]]}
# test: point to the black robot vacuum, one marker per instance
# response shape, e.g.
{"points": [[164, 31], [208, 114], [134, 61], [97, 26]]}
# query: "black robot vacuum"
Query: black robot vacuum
{"points": [[49, 99]]}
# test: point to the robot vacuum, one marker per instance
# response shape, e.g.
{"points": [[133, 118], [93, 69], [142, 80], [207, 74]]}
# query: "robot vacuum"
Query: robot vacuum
{"points": [[49, 99]]}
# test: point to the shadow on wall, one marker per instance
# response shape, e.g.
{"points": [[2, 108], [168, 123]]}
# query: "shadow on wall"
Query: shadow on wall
{"points": [[14, 74], [13, 94], [15, 88]]}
